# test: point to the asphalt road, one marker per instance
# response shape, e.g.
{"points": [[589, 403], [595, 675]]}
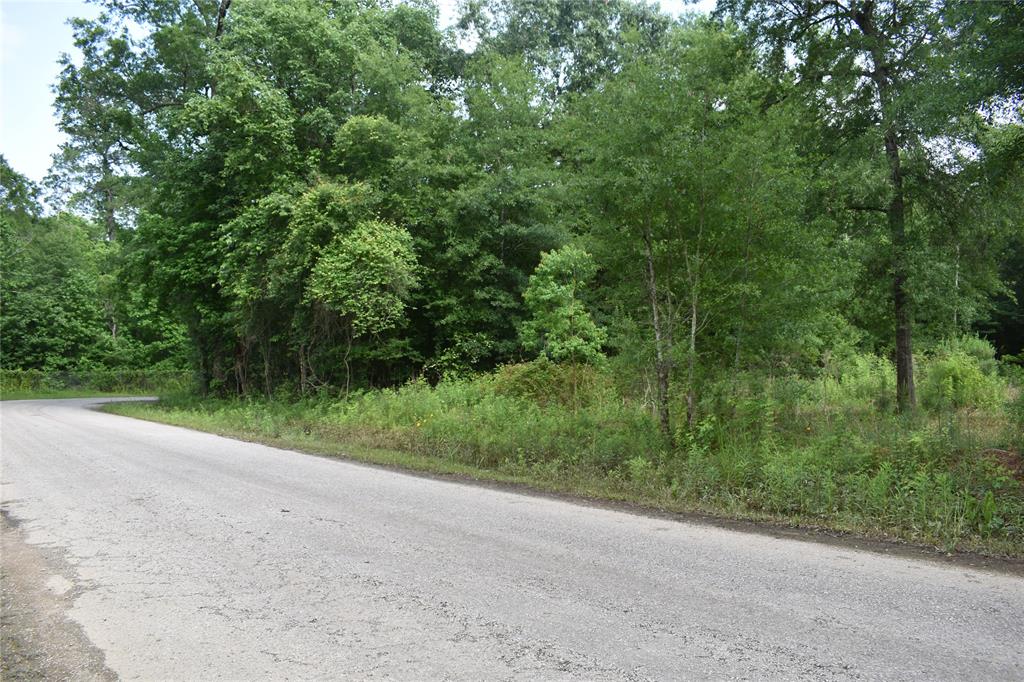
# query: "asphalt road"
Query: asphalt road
{"points": [[178, 554]]}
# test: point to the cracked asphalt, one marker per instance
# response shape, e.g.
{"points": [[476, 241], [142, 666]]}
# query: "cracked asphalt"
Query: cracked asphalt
{"points": [[173, 554]]}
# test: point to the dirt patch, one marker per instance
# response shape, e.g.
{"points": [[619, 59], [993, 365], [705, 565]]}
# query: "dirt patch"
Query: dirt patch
{"points": [[1010, 460], [37, 639]]}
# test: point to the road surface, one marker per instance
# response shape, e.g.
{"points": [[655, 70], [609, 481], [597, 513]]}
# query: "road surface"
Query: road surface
{"points": [[172, 554]]}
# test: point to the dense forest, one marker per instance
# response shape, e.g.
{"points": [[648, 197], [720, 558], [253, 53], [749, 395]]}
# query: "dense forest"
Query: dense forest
{"points": [[691, 236]]}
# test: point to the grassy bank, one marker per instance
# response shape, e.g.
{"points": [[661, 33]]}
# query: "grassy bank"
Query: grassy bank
{"points": [[815, 452], [38, 384]]}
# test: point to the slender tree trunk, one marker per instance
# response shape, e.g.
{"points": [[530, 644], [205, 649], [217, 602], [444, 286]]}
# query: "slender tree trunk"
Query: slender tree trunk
{"points": [[108, 309], [303, 374], [265, 350], [222, 13], [693, 276], [204, 374], [906, 398], [348, 365], [896, 211], [242, 367], [109, 222], [691, 362], [744, 299], [956, 292], [661, 360]]}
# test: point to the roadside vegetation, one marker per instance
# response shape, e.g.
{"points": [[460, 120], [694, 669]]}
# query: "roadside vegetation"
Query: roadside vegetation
{"points": [[29, 384], [764, 263], [811, 451]]}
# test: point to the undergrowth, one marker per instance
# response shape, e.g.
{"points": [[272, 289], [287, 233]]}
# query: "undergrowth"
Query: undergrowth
{"points": [[30, 384]]}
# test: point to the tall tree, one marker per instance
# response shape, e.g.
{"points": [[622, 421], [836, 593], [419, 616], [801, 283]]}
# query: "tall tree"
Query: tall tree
{"points": [[570, 46], [880, 73], [560, 327], [701, 174]]}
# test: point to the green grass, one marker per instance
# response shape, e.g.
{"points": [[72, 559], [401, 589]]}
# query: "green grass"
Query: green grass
{"points": [[41, 394], [764, 450], [37, 384]]}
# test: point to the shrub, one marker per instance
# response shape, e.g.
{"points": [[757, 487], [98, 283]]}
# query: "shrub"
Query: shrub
{"points": [[860, 381], [547, 383], [26, 383], [1015, 413], [956, 380], [980, 350]]}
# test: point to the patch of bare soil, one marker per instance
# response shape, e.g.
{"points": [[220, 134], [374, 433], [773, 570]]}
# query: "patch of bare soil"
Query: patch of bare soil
{"points": [[1009, 459], [37, 639]]}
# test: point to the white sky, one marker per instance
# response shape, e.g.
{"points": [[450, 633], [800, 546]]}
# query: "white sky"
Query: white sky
{"points": [[34, 33]]}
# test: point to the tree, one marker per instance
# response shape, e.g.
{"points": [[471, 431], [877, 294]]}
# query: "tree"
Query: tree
{"points": [[695, 202], [60, 307], [560, 326], [365, 277], [739, 218], [495, 221], [569, 46], [881, 76], [306, 106]]}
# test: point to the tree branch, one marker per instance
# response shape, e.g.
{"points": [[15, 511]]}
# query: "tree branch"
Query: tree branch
{"points": [[864, 207]]}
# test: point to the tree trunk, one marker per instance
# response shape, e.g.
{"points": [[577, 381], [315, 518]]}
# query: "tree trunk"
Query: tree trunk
{"points": [[242, 367], [744, 299], [691, 362], [303, 374], [222, 13], [109, 221], [348, 365], [956, 293], [204, 375], [662, 366], [265, 349], [906, 398]]}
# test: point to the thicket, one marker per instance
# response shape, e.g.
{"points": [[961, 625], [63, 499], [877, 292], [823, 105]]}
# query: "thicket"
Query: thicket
{"points": [[68, 317], [331, 193]]}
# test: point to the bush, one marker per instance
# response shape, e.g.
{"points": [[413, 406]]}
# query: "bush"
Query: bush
{"points": [[480, 422], [547, 383], [981, 351], [860, 381], [956, 380]]}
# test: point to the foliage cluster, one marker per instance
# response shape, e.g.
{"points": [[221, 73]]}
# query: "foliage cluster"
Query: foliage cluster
{"points": [[62, 306]]}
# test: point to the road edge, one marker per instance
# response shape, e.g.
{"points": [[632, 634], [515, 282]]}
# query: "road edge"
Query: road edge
{"points": [[808, 533]]}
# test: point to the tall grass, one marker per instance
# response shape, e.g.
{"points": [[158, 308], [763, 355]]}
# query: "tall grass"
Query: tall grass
{"points": [[20, 384]]}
